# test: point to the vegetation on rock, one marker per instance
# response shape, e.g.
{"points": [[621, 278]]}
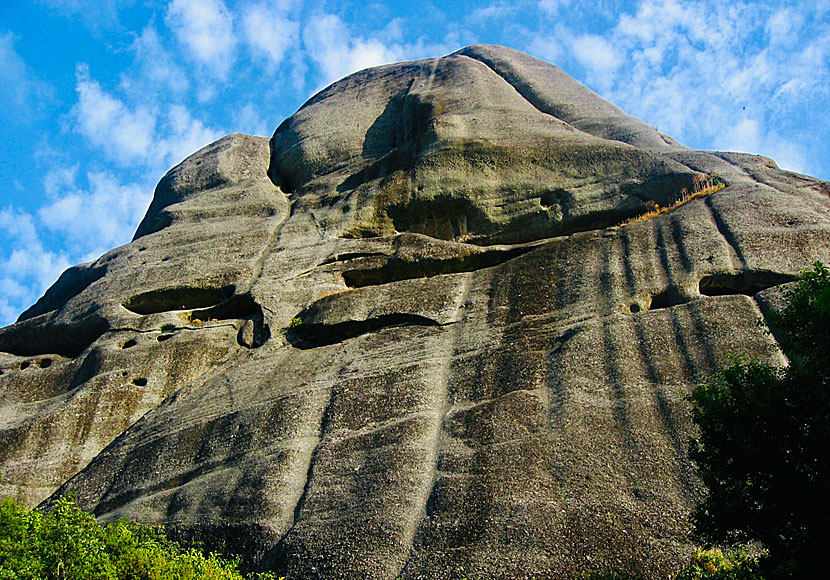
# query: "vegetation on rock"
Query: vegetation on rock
{"points": [[764, 435], [66, 543], [702, 185]]}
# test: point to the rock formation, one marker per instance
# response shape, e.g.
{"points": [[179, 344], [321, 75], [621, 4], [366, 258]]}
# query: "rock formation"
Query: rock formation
{"points": [[407, 337]]}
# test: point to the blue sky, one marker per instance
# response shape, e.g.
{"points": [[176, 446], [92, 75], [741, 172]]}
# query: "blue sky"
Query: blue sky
{"points": [[100, 97]]}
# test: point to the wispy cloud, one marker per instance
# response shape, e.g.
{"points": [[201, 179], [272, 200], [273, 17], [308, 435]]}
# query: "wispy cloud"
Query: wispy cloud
{"points": [[96, 218], [96, 16], [331, 46], [205, 29], [151, 135], [21, 92], [125, 135], [711, 73], [155, 69], [501, 9], [553, 7], [182, 135], [596, 54], [269, 33], [29, 268]]}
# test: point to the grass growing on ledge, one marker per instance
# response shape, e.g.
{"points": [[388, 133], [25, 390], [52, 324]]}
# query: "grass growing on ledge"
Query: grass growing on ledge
{"points": [[702, 185]]}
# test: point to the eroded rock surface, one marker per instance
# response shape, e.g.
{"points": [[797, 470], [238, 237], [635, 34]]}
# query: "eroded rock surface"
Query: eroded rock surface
{"points": [[423, 347]]}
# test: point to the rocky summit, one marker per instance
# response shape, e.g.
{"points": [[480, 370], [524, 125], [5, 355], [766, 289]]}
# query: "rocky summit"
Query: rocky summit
{"points": [[409, 336]]}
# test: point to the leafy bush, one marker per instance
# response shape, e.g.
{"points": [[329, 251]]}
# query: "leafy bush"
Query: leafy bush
{"points": [[715, 564], [67, 543], [764, 440]]}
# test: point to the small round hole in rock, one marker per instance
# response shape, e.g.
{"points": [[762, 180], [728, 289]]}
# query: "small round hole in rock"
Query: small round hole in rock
{"points": [[24, 365], [129, 344], [163, 337], [141, 382], [635, 308], [45, 363]]}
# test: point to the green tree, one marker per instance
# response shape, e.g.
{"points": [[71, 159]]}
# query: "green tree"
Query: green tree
{"points": [[764, 444]]}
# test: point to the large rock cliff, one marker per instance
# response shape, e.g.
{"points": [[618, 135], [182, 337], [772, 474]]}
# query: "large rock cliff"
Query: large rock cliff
{"points": [[408, 337]]}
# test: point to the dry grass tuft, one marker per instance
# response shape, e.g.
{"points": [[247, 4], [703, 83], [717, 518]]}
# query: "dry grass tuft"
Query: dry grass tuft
{"points": [[702, 185]]}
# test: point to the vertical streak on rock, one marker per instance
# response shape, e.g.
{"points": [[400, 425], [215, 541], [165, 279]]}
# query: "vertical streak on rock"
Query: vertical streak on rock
{"points": [[668, 420], [325, 406], [325, 416], [443, 377], [621, 405], [663, 254], [628, 269], [775, 334], [607, 274], [680, 240], [734, 254], [270, 244]]}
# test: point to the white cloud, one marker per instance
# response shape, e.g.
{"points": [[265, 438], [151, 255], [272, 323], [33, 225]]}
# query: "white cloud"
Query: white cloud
{"points": [[596, 53], [96, 16], [57, 180], [205, 28], [500, 10], [330, 45], [157, 69], [248, 120], [269, 33], [714, 74], [138, 136], [125, 135], [748, 136], [99, 217], [552, 7], [29, 268], [183, 135]]}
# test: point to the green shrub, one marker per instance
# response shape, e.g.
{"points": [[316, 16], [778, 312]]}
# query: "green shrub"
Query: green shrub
{"points": [[715, 564], [67, 543], [764, 440]]}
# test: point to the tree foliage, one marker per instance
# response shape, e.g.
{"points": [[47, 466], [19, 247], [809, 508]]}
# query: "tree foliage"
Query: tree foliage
{"points": [[764, 441], [67, 543]]}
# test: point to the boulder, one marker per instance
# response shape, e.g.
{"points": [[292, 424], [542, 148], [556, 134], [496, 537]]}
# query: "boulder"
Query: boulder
{"points": [[410, 336]]}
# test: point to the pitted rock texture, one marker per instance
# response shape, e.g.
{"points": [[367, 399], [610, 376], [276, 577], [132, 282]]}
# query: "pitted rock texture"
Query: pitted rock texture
{"points": [[407, 338]]}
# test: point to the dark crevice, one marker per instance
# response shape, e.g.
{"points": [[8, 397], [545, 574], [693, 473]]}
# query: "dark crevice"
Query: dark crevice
{"points": [[35, 337], [350, 256], [396, 269], [748, 282], [239, 307], [667, 298], [314, 335], [185, 298]]}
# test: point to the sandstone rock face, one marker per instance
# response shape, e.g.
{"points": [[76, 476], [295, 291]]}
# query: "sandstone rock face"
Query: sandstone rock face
{"points": [[407, 338]]}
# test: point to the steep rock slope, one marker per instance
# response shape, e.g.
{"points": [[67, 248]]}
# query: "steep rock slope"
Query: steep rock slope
{"points": [[407, 338]]}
